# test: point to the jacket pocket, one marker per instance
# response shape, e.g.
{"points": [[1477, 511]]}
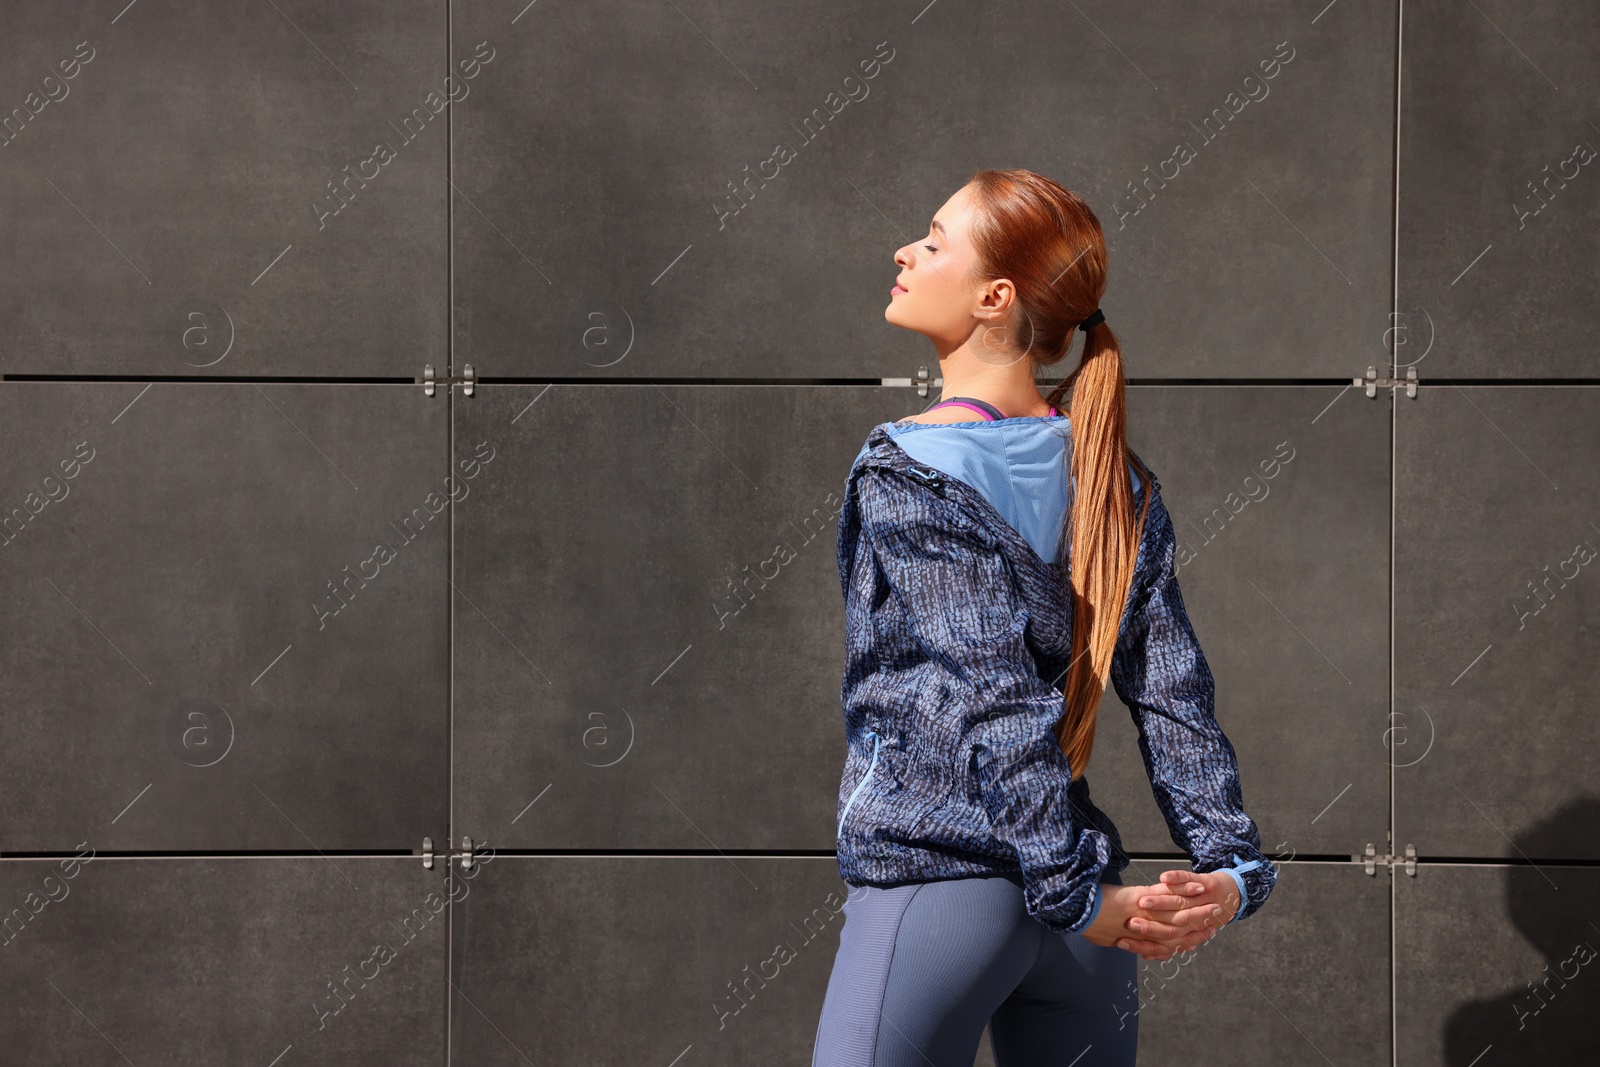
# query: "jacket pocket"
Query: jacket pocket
{"points": [[877, 740]]}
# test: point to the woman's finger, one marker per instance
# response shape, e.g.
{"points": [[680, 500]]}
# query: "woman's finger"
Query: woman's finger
{"points": [[1183, 882], [1197, 918], [1154, 930], [1153, 949], [1191, 920], [1190, 914], [1150, 950]]}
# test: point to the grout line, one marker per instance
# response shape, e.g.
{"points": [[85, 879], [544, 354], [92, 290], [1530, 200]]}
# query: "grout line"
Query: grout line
{"points": [[450, 555], [1394, 474]]}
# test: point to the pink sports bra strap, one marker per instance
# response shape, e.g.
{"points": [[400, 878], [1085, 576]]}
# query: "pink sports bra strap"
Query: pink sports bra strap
{"points": [[987, 410]]}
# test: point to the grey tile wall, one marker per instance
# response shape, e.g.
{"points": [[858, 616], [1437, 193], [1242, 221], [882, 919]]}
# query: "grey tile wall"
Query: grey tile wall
{"points": [[1499, 220], [222, 191], [643, 959], [1309, 986], [726, 960], [228, 615], [1494, 963], [648, 616], [646, 191], [309, 959], [1496, 618], [1280, 502], [276, 616]]}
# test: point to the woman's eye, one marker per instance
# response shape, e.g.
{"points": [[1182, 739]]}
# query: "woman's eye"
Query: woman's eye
{"points": [[930, 248]]}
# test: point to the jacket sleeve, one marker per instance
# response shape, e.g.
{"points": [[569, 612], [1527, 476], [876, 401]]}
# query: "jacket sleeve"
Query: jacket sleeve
{"points": [[1162, 676], [960, 596]]}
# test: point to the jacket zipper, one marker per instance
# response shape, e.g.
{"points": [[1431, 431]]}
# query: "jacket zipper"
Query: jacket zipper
{"points": [[877, 739]]}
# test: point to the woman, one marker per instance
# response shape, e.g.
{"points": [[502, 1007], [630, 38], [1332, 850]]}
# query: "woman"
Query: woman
{"points": [[1000, 562]]}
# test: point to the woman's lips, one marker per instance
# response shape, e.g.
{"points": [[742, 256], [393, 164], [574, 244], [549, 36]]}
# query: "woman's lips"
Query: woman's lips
{"points": [[896, 289]]}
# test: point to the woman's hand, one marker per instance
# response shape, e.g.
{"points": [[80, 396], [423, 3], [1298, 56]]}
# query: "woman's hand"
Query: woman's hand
{"points": [[1216, 888], [1177, 914]]}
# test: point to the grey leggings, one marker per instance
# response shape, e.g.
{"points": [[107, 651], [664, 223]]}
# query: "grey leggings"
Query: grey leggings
{"points": [[921, 968]]}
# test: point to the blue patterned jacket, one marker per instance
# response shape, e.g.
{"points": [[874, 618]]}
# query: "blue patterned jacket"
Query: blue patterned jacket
{"points": [[956, 621]]}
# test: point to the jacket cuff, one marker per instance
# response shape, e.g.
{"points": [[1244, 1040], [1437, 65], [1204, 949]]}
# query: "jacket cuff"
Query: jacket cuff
{"points": [[1244, 894], [1094, 909], [1236, 872]]}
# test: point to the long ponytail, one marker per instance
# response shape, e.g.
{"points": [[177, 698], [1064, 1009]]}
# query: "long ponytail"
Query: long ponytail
{"points": [[1049, 243], [1105, 533]]}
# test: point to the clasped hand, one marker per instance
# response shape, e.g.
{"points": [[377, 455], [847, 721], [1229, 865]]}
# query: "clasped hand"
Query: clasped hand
{"points": [[1179, 913]]}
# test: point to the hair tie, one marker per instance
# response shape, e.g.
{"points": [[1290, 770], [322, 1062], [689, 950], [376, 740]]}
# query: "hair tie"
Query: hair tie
{"points": [[1093, 320]]}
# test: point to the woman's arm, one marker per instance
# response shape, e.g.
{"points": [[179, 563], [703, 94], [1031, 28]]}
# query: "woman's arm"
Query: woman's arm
{"points": [[961, 597], [1162, 676]]}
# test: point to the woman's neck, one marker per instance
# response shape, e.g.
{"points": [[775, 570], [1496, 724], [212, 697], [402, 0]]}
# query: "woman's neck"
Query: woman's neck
{"points": [[1009, 387]]}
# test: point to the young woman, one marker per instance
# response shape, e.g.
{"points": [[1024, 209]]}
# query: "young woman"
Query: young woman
{"points": [[1000, 561]]}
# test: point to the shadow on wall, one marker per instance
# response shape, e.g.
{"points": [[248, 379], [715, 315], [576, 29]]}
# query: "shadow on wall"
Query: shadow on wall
{"points": [[1550, 1018]]}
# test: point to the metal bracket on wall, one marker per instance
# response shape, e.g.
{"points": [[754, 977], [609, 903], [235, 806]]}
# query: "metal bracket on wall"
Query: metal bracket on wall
{"points": [[1372, 381], [1371, 859], [430, 380], [465, 854], [921, 381]]}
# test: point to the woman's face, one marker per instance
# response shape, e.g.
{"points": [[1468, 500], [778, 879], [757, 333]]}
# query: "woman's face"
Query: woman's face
{"points": [[937, 292]]}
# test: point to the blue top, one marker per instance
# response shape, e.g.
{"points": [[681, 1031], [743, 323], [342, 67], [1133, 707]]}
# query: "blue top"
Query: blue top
{"points": [[953, 767]]}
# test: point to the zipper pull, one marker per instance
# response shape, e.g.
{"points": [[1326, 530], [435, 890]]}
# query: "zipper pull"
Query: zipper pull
{"points": [[931, 478], [877, 740]]}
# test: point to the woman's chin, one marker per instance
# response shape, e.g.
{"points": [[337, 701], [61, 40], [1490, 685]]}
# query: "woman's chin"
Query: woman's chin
{"points": [[892, 319]]}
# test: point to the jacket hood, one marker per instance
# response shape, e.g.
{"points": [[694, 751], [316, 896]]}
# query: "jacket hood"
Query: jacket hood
{"points": [[1018, 465]]}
